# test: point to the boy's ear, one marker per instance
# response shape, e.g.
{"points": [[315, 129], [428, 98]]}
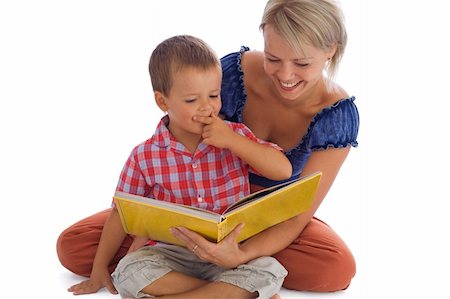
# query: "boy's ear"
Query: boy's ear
{"points": [[161, 101]]}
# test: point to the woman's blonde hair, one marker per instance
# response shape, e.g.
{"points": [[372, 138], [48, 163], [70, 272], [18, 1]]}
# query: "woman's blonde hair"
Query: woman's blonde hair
{"points": [[316, 23]]}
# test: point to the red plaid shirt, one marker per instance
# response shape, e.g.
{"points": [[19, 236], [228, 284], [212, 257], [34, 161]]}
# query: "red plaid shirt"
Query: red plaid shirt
{"points": [[211, 178]]}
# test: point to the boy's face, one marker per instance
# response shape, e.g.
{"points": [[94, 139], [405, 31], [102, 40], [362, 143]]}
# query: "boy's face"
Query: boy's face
{"points": [[194, 92]]}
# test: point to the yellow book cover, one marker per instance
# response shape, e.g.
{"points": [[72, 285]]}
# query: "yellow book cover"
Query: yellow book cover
{"points": [[152, 218]]}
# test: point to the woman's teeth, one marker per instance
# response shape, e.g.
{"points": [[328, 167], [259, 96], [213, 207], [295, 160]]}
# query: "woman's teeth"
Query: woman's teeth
{"points": [[289, 85]]}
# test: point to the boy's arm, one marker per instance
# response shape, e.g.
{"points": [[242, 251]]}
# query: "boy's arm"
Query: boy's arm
{"points": [[110, 241], [266, 160]]}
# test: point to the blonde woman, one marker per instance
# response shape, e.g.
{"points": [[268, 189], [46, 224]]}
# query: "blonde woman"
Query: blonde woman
{"points": [[286, 95]]}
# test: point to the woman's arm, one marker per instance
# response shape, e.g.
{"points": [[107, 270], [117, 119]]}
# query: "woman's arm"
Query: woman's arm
{"points": [[229, 254], [282, 235]]}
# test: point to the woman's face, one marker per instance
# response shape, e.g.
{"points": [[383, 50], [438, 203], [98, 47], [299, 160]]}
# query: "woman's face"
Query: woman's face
{"points": [[292, 74]]}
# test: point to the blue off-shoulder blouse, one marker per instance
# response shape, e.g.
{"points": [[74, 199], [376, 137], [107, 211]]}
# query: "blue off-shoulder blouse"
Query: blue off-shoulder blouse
{"points": [[334, 126]]}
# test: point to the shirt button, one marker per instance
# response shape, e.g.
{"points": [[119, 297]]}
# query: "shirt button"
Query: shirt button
{"points": [[199, 199], [194, 165]]}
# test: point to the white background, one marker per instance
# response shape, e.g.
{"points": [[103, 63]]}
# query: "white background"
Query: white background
{"points": [[76, 97]]}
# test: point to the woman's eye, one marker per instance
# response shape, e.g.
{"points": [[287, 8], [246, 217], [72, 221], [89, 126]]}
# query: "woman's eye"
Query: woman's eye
{"points": [[190, 101], [302, 64]]}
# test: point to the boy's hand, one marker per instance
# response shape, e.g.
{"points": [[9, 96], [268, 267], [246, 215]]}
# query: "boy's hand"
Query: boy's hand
{"points": [[96, 282], [215, 132]]}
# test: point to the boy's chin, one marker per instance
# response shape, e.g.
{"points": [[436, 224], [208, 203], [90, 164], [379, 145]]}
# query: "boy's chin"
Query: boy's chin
{"points": [[197, 130]]}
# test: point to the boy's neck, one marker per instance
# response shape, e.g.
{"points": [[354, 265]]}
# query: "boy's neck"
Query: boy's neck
{"points": [[191, 145], [190, 141]]}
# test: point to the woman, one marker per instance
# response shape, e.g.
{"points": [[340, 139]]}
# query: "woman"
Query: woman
{"points": [[283, 96]]}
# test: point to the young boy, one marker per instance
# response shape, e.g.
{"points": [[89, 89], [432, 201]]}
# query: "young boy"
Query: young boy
{"points": [[194, 158]]}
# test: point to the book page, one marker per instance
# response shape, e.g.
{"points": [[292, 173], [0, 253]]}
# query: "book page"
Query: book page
{"points": [[171, 206], [255, 196]]}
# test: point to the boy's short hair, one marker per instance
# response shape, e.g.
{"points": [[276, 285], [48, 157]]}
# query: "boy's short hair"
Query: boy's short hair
{"points": [[177, 53]]}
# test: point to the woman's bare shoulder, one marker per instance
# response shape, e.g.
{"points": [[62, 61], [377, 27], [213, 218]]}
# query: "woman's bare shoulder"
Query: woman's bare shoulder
{"points": [[252, 60], [336, 94], [253, 68]]}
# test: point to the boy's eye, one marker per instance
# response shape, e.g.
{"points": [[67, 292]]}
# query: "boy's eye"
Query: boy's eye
{"points": [[190, 101], [214, 96]]}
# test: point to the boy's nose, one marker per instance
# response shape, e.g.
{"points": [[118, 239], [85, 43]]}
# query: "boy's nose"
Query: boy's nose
{"points": [[206, 109]]}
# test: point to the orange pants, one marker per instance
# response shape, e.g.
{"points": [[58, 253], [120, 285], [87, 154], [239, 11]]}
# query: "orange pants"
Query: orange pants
{"points": [[318, 260]]}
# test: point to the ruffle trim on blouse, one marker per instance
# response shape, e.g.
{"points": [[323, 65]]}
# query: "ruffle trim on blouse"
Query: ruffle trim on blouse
{"points": [[311, 126], [241, 82], [301, 146], [332, 145]]}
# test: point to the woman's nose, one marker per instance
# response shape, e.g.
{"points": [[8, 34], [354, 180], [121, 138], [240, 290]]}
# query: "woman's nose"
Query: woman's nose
{"points": [[286, 73]]}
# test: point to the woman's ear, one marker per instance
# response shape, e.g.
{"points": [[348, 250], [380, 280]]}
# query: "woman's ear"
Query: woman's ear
{"points": [[332, 51], [161, 101]]}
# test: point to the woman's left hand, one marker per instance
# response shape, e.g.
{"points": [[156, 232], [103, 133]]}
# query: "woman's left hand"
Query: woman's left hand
{"points": [[225, 254]]}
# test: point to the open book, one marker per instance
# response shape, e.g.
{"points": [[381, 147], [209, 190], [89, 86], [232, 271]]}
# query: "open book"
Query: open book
{"points": [[152, 218]]}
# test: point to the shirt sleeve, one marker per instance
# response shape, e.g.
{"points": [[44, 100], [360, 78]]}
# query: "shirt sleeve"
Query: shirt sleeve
{"points": [[232, 93], [336, 127], [131, 179]]}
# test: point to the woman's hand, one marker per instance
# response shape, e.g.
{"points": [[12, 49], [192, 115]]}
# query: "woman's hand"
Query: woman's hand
{"points": [[225, 254], [98, 280]]}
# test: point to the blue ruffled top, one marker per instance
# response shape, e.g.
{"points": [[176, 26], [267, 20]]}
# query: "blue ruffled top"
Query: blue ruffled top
{"points": [[334, 126]]}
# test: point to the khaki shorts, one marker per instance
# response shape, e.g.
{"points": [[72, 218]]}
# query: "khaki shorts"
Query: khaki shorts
{"points": [[141, 268]]}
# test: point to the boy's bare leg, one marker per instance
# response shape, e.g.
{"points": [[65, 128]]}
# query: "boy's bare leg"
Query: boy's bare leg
{"points": [[213, 290], [175, 285]]}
